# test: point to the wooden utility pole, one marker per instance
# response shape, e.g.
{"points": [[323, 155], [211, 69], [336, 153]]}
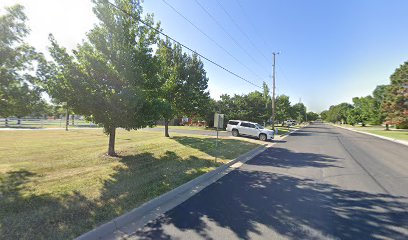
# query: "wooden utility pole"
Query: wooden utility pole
{"points": [[273, 90]]}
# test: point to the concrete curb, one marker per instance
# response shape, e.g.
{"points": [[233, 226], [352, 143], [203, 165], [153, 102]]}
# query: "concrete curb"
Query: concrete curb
{"points": [[375, 135], [127, 224]]}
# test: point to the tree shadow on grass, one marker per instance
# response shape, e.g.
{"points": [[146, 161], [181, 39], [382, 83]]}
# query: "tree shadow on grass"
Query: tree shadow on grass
{"points": [[227, 148], [145, 176], [244, 201], [141, 177], [26, 215]]}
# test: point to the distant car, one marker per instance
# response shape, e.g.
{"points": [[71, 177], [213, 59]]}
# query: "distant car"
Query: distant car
{"points": [[290, 122], [238, 127]]}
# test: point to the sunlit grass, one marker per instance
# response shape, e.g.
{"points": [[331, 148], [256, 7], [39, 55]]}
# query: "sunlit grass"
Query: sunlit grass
{"points": [[400, 134], [56, 184], [187, 128]]}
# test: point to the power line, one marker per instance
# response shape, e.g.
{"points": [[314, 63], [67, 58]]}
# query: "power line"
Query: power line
{"points": [[252, 24], [183, 45], [215, 42], [240, 29], [229, 35], [259, 35]]}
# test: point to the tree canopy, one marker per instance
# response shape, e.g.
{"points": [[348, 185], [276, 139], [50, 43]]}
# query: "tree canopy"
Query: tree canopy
{"points": [[396, 97], [20, 94], [111, 77], [387, 103], [183, 82], [283, 108]]}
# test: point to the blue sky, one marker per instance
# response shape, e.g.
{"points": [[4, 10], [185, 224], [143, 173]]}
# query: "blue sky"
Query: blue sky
{"points": [[330, 51]]}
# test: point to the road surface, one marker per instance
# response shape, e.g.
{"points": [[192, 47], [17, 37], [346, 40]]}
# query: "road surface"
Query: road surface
{"points": [[322, 183]]}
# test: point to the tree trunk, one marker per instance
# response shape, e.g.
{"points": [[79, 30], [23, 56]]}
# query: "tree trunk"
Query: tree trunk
{"points": [[18, 121], [111, 149], [67, 120], [73, 119], [6, 122], [166, 128], [387, 127]]}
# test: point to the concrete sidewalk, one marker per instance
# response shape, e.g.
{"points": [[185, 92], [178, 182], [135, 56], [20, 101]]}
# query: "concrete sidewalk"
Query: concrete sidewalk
{"points": [[127, 224]]}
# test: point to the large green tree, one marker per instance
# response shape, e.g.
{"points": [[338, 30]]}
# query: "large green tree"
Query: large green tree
{"points": [[112, 77], [298, 112], [337, 113], [250, 107], [283, 108], [378, 115], [363, 108], [395, 102], [324, 114], [312, 116], [20, 94], [183, 83]]}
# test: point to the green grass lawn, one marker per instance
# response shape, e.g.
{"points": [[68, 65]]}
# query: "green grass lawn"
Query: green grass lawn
{"points": [[58, 185], [187, 128], [400, 134], [283, 130]]}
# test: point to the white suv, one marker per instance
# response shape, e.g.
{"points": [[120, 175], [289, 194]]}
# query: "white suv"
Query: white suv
{"points": [[238, 127]]}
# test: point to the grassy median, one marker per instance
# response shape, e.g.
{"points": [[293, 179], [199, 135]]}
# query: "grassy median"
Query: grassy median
{"points": [[58, 185]]}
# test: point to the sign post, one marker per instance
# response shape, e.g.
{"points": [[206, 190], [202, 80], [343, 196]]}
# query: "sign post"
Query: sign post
{"points": [[218, 123]]}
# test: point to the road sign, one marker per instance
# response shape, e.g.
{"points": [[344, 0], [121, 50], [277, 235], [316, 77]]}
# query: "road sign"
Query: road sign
{"points": [[218, 120]]}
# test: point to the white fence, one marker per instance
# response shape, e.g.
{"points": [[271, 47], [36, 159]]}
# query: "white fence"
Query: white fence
{"points": [[43, 123]]}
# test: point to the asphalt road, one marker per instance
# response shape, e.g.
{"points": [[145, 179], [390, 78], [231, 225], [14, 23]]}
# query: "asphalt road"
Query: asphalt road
{"points": [[322, 183]]}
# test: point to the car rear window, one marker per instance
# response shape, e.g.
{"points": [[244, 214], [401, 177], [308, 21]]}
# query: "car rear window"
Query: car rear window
{"points": [[233, 122]]}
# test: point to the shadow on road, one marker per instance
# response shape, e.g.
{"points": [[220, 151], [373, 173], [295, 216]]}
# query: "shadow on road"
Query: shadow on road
{"points": [[246, 201], [282, 157], [293, 207]]}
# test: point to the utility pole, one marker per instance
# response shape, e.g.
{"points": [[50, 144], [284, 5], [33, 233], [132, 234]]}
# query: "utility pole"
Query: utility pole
{"points": [[273, 90]]}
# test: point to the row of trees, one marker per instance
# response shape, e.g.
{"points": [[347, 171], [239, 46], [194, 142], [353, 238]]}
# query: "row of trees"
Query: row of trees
{"points": [[114, 77], [257, 107], [20, 93], [387, 104]]}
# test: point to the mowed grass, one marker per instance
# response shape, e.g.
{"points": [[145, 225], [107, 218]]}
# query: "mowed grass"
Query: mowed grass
{"points": [[187, 128], [58, 185], [400, 134], [395, 134]]}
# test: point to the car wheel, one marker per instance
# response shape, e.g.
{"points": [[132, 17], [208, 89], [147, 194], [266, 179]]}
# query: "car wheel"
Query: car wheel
{"points": [[262, 137], [235, 133]]}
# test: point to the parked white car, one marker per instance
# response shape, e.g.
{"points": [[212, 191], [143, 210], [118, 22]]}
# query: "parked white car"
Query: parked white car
{"points": [[238, 127], [290, 122]]}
